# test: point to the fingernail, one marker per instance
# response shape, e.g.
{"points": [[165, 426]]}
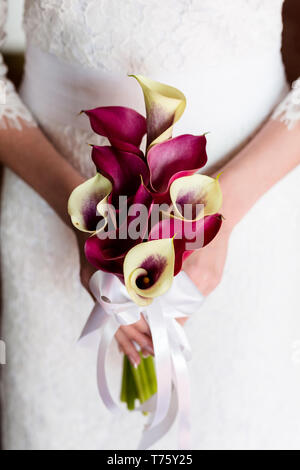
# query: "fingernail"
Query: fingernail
{"points": [[133, 362], [145, 355], [150, 349]]}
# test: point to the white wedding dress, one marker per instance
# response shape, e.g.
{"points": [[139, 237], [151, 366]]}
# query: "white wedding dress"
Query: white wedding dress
{"points": [[225, 56]]}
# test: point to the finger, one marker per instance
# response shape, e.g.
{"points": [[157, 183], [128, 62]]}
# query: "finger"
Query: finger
{"points": [[143, 326], [181, 320], [145, 353], [128, 348], [143, 340]]}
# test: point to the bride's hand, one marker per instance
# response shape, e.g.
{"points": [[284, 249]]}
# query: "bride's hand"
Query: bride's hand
{"points": [[126, 335], [205, 267], [139, 333]]}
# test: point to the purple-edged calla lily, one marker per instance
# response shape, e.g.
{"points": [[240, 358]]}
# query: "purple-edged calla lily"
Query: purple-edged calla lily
{"points": [[85, 202], [196, 196], [181, 156], [164, 107], [124, 127], [188, 236], [149, 270], [108, 254], [123, 169]]}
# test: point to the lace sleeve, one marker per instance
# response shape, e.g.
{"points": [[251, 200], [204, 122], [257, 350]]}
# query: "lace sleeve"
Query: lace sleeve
{"points": [[288, 110], [12, 110]]}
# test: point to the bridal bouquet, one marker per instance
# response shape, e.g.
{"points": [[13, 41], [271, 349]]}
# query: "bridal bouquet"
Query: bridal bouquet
{"points": [[146, 212]]}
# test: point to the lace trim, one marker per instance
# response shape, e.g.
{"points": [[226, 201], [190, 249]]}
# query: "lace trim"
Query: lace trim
{"points": [[118, 35], [289, 109], [13, 112]]}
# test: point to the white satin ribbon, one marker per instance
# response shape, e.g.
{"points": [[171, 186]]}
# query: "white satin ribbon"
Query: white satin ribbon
{"points": [[114, 308]]}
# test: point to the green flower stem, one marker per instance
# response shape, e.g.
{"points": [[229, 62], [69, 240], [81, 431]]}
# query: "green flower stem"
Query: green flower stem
{"points": [[123, 396], [145, 379], [138, 383], [136, 372], [132, 392], [150, 370]]}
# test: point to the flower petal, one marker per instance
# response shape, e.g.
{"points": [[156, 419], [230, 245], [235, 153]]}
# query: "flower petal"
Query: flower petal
{"points": [[107, 254], [123, 169], [140, 211], [188, 236], [123, 127], [195, 196], [83, 202], [185, 153], [164, 107], [148, 270]]}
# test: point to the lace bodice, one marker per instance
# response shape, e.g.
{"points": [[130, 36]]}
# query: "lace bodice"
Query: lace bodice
{"points": [[118, 36], [111, 34]]}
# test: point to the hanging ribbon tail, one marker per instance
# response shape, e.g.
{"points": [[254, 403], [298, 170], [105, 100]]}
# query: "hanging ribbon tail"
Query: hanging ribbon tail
{"points": [[163, 365], [152, 435], [108, 334], [183, 389], [95, 322]]}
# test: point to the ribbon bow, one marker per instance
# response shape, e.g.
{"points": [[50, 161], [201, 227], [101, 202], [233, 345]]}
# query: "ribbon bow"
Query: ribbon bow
{"points": [[114, 308]]}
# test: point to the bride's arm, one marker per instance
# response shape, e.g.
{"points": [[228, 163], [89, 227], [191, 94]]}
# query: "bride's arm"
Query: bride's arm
{"points": [[24, 148], [272, 153], [265, 160], [32, 157]]}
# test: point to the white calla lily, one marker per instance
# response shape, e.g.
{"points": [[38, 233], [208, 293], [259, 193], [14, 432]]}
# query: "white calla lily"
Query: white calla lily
{"points": [[84, 206], [149, 270], [164, 107], [193, 197]]}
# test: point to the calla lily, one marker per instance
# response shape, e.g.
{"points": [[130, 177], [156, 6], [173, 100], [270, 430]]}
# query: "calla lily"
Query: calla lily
{"points": [[181, 156], [149, 270], [85, 201], [164, 107], [139, 212], [107, 254], [123, 169], [200, 194], [123, 127], [188, 236]]}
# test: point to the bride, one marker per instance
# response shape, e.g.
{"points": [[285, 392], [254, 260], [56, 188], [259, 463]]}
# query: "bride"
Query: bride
{"points": [[225, 57]]}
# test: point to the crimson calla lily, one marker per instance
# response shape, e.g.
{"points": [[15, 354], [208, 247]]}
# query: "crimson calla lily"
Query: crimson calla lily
{"points": [[123, 169], [188, 235], [123, 127], [108, 254], [181, 156], [137, 220]]}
